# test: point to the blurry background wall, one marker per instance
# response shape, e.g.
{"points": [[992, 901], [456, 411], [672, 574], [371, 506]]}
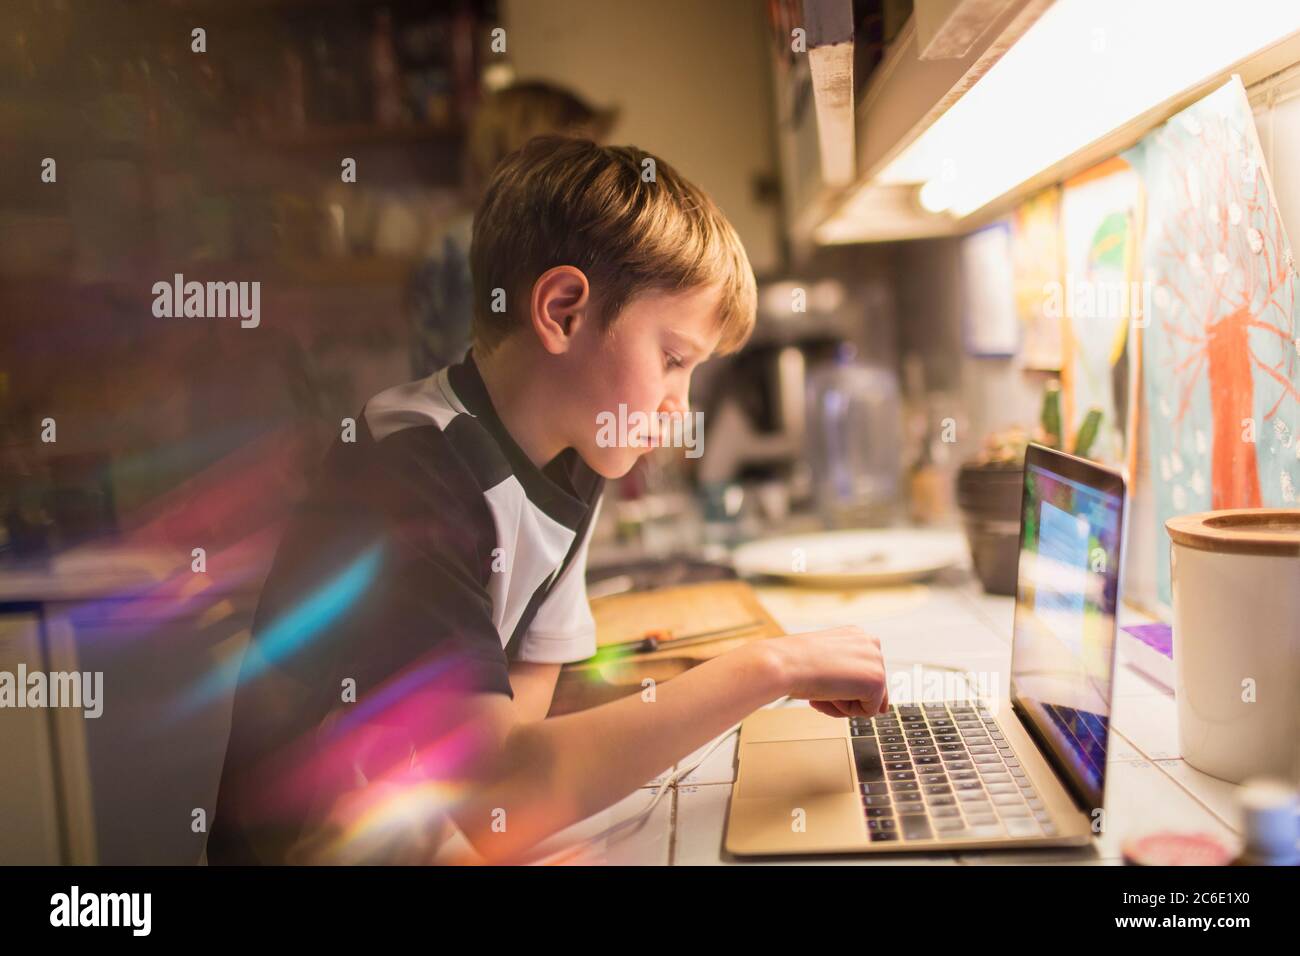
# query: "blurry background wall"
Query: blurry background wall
{"points": [[223, 164], [689, 79]]}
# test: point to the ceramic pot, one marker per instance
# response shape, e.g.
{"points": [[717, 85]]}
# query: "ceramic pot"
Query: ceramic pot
{"points": [[1236, 595]]}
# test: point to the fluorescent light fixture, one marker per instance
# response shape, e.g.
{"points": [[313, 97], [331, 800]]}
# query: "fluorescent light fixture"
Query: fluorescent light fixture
{"points": [[935, 196], [1081, 71], [877, 213]]}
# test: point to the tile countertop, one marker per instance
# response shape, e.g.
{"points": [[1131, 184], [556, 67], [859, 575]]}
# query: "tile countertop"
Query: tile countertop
{"points": [[948, 622]]}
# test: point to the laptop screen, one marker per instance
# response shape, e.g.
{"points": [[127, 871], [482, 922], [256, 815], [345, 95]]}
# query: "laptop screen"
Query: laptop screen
{"points": [[1071, 529]]}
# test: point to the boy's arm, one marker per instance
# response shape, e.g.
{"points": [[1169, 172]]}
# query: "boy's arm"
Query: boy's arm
{"points": [[534, 687], [553, 773], [550, 774]]}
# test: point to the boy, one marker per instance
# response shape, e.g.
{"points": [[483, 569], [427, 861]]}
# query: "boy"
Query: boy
{"points": [[436, 572]]}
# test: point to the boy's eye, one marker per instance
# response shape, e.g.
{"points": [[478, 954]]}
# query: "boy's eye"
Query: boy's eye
{"points": [[673, 361]]}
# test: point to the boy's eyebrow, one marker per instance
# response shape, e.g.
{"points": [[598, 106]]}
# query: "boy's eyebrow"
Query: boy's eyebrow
{"points": [[699, 347]]}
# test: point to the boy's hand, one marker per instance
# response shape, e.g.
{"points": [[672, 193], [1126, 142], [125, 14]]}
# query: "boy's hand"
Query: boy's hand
{"points": [[840, 672]]}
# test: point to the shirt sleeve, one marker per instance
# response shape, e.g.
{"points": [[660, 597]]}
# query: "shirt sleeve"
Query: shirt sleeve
{"points": [[563, 629], [432, 596], [382, 571]]}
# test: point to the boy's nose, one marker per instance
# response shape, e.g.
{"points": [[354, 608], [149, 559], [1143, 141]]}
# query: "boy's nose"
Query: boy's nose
{"points": [[678, 399], [676, 405]]}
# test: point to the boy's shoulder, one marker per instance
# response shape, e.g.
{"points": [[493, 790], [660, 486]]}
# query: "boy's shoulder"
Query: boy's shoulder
{"points": [[436, 446], [422, 429], [444, 427]]}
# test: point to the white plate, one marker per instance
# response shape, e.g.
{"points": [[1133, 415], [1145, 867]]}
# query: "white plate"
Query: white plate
{"points": [[851, 559]]}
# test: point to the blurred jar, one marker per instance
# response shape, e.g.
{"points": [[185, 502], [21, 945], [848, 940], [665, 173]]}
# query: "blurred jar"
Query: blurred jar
{"points": [[932, 478], [854, 441]]}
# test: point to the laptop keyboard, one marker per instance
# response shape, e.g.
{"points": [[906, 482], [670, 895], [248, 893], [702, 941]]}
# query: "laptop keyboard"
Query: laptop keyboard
{"points": [[942, 771]]}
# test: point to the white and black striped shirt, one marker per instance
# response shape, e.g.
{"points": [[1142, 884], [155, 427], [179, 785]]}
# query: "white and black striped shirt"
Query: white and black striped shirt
{"points": [[430, 545]]}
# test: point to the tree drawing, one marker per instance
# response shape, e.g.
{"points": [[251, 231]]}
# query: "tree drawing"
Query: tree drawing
{"points": [[1225, 297]]}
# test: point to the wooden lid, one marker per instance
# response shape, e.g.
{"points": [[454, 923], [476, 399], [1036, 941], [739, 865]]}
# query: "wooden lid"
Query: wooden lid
{"points": [[1266, 531]]}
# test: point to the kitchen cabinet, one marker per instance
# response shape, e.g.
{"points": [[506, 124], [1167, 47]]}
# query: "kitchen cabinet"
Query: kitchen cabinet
{"points": [[120, 788]]}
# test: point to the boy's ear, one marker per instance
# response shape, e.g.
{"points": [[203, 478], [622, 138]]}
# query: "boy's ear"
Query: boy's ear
{"points": [[559, 306]]}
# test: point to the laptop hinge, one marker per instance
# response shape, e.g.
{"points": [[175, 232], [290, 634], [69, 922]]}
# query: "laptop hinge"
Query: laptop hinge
{"points": [[1080, 799]]}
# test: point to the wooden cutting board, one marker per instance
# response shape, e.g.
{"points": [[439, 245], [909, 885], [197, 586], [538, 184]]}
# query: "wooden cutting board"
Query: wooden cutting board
{"points": [[717, 616]]}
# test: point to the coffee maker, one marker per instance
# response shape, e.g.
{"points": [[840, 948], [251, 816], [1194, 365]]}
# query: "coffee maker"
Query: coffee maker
{"points": [[755, 403]]}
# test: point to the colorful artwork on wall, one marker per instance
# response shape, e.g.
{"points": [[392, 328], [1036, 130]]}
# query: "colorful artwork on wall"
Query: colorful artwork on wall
{"points": [[1036, 264], [1221, 350], [1098, 298]]}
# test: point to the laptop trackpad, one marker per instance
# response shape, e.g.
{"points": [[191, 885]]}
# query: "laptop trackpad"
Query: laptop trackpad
{"points": [[790, 768]]}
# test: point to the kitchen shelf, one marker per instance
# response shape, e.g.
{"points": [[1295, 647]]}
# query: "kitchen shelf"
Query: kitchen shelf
{"points": [[365, 134], [304, 272], [341, 271]]}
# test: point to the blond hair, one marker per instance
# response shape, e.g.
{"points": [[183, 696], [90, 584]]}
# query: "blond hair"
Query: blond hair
{"points": [[567, 201]]}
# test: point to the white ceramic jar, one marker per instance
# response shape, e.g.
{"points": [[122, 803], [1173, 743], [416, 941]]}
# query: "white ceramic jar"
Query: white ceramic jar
{"points": [[1236, 593]]}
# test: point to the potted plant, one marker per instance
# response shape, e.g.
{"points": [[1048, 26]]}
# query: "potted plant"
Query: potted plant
{"points": [[989, 490]]}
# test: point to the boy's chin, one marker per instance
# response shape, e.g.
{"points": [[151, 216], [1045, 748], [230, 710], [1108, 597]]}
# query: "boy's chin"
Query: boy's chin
{"points": [[612, 463]]}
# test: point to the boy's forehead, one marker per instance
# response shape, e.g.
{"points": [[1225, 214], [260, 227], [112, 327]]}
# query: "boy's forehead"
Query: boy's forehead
{"points": [[691, 314]]}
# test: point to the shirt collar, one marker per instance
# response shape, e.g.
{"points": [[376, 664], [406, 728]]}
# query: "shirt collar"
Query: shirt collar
{"points": [[560, 487]]}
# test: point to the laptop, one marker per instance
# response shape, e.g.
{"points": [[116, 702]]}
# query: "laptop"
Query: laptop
{"points": [[1024, 768]]}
